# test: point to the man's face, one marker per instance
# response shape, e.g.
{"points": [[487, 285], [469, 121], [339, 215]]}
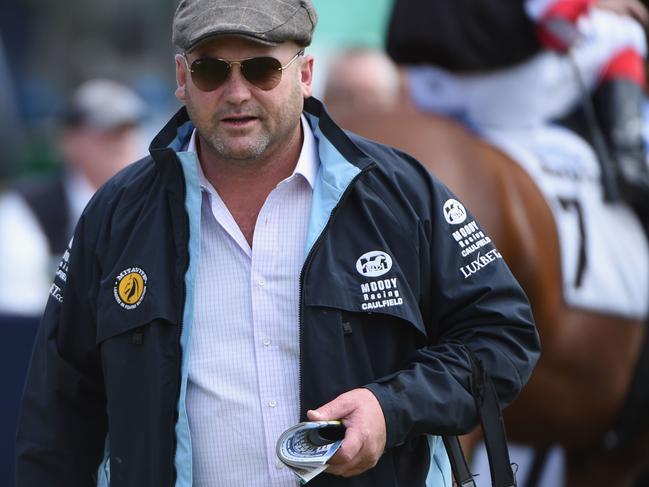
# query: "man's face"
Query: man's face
{"points": [[100, 153], [239, 122]]}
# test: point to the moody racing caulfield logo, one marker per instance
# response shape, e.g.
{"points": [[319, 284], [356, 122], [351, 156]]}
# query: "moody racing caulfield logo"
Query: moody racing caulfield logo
{"points": [[454, 212], [378, 293], [374, 263], [130, 287]]}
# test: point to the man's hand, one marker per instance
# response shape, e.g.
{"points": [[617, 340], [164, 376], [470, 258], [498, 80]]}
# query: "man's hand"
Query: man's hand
{"points": [[364, 441]]}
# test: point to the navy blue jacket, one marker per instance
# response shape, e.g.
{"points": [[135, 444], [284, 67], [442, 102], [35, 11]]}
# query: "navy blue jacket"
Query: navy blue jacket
{"points": [[399, 287]]}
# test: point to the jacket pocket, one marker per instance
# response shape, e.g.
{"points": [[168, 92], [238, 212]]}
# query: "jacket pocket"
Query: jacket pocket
{"points": [[396, 316], [352, 321], [347, 349], [388, 294], [124, 306]]}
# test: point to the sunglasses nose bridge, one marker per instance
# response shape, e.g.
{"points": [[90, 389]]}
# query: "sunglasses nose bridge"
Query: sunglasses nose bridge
{"points": [[231, 70], [236, 85]]}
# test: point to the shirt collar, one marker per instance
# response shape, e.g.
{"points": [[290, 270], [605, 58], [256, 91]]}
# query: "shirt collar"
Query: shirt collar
{"points": [[307, 163]]}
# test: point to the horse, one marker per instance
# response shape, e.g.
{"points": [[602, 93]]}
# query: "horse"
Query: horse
{"points": [[579, 386]]}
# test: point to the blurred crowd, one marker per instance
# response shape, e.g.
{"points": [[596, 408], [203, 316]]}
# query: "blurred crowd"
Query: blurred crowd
{"points": [[98, 134], [517, 64]]}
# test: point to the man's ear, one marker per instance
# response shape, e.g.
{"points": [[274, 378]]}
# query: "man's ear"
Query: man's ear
{"points": [[306, 76], [181, 77]]}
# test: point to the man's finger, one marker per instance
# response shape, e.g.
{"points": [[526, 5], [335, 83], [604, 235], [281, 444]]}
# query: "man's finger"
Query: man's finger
{"points": [[351, 445], [336, 409]]}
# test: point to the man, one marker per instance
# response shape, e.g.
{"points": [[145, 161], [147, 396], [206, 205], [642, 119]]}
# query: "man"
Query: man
{"points": [[99, 135], [263, 268]]}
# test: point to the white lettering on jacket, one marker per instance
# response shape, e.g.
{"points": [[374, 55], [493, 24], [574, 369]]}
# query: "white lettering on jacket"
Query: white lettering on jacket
{"points": [[382, 293], [480, 262]]}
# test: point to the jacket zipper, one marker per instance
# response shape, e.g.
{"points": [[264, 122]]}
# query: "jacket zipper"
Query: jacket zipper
{"points": [[307, 263], [178, 385]]}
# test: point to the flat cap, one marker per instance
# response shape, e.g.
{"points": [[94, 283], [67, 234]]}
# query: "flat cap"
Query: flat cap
{"points": [[270, 22], [103, 104]]}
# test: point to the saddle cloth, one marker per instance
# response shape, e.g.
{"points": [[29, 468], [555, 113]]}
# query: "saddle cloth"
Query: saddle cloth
{"points": [[604, 250]]}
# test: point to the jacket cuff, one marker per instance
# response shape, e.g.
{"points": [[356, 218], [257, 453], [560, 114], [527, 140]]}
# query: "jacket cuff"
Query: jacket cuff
{"points": [[392, 437]]}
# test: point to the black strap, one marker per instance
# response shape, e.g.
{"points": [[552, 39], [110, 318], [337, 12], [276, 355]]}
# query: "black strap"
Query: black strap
{"points": [[493, 426], [597, 140], [461, 473]]}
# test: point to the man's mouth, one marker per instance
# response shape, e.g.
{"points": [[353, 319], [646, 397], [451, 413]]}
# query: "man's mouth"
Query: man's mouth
{"points": [[239, 120]]}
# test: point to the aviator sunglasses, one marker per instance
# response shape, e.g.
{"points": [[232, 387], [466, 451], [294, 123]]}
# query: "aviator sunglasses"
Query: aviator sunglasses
{"points": [[263, 72]]}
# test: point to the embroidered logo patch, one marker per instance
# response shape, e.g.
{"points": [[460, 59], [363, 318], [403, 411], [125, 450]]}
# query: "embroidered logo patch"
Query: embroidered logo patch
{"points": [[130, 287], [454, 212], [374, 263]]}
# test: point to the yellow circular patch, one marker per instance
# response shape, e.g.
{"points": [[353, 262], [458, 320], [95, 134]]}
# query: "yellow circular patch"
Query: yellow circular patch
{"points": [[130, 287]]}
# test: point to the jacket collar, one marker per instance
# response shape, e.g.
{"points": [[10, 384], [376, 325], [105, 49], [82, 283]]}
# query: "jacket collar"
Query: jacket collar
{"points": [[323, 125]]}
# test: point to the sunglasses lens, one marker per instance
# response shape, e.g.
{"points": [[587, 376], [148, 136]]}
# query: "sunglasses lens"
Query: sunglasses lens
{"points": [[208, 74], [263, 72]]}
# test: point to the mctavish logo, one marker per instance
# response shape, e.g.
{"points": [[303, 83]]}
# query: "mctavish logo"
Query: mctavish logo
{"points": [[130, 287], [374, 263]]}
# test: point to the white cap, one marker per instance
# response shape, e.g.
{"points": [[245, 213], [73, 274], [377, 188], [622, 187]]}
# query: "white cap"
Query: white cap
{"points": [[104, 104]]}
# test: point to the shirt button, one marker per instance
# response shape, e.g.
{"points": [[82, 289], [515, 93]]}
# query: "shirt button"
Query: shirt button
{"points": [[261, 281], [266, 342], [279, 465], [272, 403]]}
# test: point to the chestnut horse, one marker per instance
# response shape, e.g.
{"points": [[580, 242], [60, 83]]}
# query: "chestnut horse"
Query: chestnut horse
{"points": [[580, 383]]}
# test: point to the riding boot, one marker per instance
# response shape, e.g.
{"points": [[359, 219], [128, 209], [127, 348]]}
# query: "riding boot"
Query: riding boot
{"points": [[619, 109]]}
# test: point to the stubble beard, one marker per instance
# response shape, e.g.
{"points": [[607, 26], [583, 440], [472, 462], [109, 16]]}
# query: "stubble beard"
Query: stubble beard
{"points": [[221, 147], [241, 155]]}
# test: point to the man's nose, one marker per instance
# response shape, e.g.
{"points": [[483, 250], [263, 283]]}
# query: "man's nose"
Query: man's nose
{"points": [[236, 87]]}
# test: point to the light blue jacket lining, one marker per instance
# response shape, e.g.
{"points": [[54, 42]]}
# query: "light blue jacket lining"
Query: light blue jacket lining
{"points": [[183, 459]]}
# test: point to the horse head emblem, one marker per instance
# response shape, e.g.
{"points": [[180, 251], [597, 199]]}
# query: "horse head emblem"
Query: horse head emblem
{"points": [[374, 264], [454, 212]]}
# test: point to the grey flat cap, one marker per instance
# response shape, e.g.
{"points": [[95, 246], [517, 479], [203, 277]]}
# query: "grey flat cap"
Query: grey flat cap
{"points": [[270, 22]]}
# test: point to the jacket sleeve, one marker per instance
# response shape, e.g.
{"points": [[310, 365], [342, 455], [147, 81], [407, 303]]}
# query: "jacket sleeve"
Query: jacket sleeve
{"points": [[473, 308], [62, 425]]}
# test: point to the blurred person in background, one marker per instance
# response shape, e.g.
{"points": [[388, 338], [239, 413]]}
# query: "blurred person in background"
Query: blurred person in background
{"points": [[361, 79], [99, 135], [498, 65]]}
